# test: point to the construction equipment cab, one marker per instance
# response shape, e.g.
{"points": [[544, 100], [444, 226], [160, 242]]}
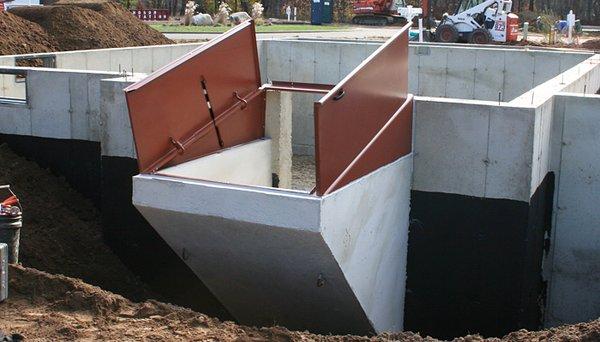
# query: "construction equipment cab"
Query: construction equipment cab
{"points": [[383, 12], [479, 22]]}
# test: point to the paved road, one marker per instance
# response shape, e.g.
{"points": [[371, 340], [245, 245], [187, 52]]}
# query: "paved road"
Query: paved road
{"points": [[379, 33]]}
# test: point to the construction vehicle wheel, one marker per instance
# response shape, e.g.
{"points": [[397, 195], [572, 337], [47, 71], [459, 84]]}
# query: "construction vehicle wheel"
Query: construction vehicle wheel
{"points": [[480, 36], [446, 33]]}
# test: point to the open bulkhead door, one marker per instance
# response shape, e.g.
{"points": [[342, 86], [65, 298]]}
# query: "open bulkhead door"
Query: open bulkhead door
{"points": [[365, 121], [204, 101]]}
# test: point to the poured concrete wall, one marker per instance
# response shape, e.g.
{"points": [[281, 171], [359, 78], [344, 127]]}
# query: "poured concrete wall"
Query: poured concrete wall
{"points": [[474, 148], [144, 59], [248, 164], [477, 218], [116, 138], [574, 265], [60, 104], [278, 127], [464, 72], [583, 77], [334, 264], [460, 72], [59, 125], [9, 87], [375, 268]]}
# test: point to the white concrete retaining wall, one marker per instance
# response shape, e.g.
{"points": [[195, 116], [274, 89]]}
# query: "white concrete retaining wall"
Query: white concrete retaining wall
{"points": [[247, 164], [574, 265], [9, 87], [583, 77], [465, 72], [279, 256], [116, 139], [375, 268], [59, 104], [143, 59], [473, 148], [461, 72]]}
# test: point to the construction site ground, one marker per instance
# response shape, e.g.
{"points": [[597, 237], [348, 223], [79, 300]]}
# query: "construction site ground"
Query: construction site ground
{"points": [[50, 307]]}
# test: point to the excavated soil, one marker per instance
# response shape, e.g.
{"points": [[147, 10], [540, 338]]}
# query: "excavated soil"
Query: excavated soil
{"points": [[48, 307], [593, 44], [19, 36], [42, 306], [81, 25], [73, 25], [62, 232], [137, 32]]}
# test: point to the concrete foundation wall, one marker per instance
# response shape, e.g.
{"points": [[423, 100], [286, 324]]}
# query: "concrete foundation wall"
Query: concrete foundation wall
{"points": [[116, 138], [473, 148], [278, 127], [333, 264], [144, 59], [248, 164], [59, 104], [574, 271], [9, 87], [477, 203], [367, 232], [464, 72], [580, 78], [460, 72]]}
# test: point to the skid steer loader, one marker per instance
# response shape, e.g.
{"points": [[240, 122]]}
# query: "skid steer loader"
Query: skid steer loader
{"points": [[479, 22]]}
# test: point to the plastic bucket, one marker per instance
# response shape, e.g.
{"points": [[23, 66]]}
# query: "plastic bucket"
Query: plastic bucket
{"points": [[10, 231]]}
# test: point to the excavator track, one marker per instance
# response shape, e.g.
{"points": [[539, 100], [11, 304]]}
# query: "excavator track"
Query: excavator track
{"points": [[372, 20], [378, 20]]}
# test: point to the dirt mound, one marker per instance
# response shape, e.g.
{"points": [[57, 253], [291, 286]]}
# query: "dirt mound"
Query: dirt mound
{"points": [[584, 332], [81, 26], [62, 231], [592, 44], [138, 33], [19, 36], [46, 307], [74, 28]]}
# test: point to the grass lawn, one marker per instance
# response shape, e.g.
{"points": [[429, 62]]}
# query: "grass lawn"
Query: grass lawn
{"points": [[262, 28]]}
